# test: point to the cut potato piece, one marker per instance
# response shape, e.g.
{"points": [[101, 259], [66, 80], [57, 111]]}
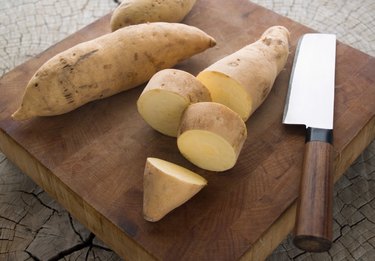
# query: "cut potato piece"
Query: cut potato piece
{"points": [[166, 187], [211, 136], [168, 93], [243, 80], [227, 91]]}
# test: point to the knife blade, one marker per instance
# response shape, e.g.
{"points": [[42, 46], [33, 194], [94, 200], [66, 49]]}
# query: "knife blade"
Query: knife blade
{"points": [[310, 101]]}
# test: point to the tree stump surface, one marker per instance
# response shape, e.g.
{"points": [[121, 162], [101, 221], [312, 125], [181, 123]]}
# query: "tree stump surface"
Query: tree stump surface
{"points": [[35, 227]]}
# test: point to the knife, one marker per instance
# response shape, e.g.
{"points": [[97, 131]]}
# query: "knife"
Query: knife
{"points": [[310, 101]]}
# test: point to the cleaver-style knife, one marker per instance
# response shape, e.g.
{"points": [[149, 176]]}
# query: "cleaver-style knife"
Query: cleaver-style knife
{"points": [[310, 101]]}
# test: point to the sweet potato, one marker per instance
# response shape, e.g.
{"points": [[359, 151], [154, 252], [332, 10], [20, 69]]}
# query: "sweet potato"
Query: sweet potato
{"points": [[211, 136], [166, 186], [108, 65], [131, 12], [243, 80], [168, 93]]}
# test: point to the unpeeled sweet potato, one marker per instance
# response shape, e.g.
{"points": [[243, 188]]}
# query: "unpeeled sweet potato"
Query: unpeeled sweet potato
{"points": [[243, 79], [131, 12], [107, 65]]}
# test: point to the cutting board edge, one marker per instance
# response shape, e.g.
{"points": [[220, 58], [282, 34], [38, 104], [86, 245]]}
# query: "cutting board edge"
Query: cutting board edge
{"points": [[284, 225], [125, 246], [39, 167], [92, 219]]}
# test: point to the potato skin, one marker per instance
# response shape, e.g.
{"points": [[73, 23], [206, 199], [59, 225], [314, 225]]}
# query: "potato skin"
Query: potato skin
{"points": [[108, 65], [131, 12], [265, 57], [216, 118], [180, 82]]}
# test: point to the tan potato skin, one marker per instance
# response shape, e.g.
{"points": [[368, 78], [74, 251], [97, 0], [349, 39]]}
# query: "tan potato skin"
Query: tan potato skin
{"points": [[180, 82], [107, 65], [163, 193], [131, 12], [216, 118], [257, 65], [175, 81]]}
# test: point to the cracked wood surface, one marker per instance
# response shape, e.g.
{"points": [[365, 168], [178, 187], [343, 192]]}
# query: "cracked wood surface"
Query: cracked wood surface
{"points": [[35, 227]]}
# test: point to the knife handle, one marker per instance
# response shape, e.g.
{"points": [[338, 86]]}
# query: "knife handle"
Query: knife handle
{"points": [[314, 208]]}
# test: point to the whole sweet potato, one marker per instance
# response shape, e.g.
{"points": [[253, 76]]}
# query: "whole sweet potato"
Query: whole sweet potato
{"points": [[131, 12], [107, 65]]}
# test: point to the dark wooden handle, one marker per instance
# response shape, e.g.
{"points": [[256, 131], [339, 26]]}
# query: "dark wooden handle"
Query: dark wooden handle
{"points": [[314, 209]]}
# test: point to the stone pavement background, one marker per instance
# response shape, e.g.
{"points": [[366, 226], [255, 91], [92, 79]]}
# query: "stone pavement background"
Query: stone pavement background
{"points": [[34, 227]]}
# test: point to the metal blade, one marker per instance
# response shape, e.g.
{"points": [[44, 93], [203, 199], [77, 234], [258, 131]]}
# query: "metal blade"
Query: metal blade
{"points": [[310, 99]]}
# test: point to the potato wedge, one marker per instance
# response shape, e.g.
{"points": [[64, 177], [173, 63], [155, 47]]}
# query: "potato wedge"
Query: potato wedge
{"points": [[166, 187]]}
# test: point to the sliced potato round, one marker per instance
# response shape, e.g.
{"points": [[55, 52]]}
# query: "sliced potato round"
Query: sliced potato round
{"points": [[168, 93], [211, 136]]}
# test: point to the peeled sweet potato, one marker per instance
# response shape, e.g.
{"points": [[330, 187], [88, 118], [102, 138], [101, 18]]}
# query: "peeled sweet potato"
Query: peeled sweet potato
{"points": [[107, 65]]}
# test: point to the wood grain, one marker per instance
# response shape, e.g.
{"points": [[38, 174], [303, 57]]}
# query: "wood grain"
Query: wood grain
{"points": [[83, 152], [314, 206]]}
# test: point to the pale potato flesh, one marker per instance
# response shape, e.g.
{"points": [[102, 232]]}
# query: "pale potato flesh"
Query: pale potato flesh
{"points": [[162, 110], [207, 150], [177, 171], [167, 186], [211, 136], [243, 80], [227, 91], [166, 96]]}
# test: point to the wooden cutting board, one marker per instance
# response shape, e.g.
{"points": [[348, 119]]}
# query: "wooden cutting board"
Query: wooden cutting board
{"points": [[92, 159]]}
